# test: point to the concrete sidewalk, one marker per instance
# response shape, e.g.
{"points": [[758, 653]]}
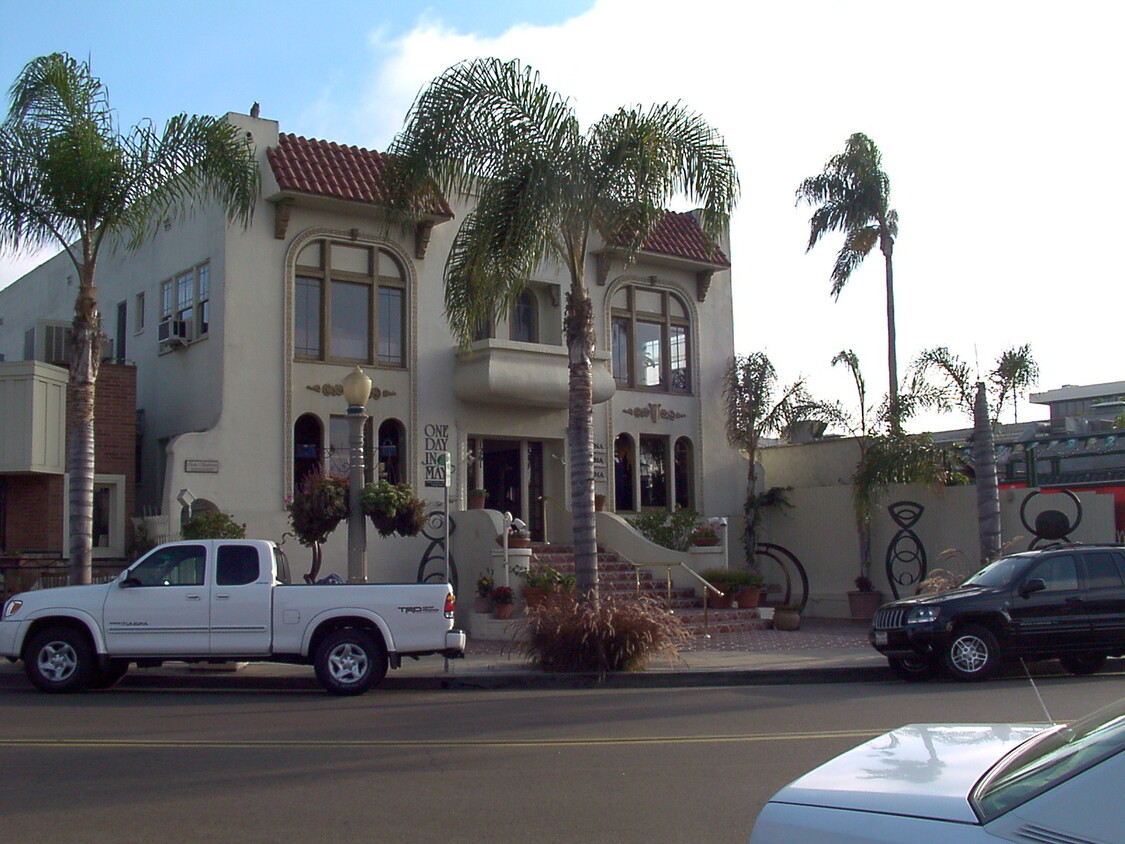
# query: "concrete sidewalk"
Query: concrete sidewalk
{"points": [[823, 650]]}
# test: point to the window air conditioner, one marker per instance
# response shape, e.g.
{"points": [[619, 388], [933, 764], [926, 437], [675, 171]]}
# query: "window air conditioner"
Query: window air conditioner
{"points": [[172, 333]]}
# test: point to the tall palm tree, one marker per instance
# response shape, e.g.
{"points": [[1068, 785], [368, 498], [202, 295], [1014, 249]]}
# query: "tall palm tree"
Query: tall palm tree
{"points": [[68, 176], [491, 128], [1016, 370], [852, 196]]}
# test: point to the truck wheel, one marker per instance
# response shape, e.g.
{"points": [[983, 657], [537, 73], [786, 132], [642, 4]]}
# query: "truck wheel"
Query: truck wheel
{"points": [[1079, 664], [59, 660], [108, 678], [349, 662], [913, 669], [972, 653]]}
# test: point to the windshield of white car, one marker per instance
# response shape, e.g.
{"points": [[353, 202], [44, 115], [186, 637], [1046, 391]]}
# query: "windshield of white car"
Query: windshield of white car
{"points": [[1048, 759], [999, 573]]}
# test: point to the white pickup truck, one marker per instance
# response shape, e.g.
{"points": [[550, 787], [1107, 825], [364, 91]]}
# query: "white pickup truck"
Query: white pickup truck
{"points": [[216, 600]]}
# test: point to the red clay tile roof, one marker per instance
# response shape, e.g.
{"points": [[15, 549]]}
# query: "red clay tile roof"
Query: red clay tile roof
{"points": [[680, 235], [324, 168]]}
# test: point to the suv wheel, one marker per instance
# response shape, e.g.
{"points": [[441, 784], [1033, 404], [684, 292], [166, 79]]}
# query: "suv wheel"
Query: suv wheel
{"points": [[972, 653], [913, 669], [1079, 664]]}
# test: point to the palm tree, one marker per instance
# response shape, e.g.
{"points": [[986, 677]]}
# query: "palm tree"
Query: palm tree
{"points": [[753, 412], [852, 196], [491, 128], [68, 176], [1016, 370]]}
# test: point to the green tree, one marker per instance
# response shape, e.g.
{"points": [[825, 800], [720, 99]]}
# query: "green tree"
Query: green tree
{"points": [[852, 196], [1015, 371], [755, 408], [543, 188], [69, 177]]}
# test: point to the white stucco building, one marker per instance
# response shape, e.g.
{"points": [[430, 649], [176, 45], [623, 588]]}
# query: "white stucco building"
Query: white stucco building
{"points": [[241, 339]]}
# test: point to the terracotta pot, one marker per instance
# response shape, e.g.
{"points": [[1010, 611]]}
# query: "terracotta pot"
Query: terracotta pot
{"points": [[862, 605], [534, 596], [476, 501], [748, 597], [705, 542], [599, 503], [504, 611], [786, 620], [513, 542]]}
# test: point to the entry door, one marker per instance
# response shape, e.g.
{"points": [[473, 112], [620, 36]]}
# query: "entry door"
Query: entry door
{"points": [[161, 605], [502, 476]]}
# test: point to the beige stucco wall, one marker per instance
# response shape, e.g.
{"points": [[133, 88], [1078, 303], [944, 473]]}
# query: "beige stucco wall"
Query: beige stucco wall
{"points": [[820, 527]]}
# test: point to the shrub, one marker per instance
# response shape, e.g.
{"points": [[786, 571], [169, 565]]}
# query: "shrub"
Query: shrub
{"points": [[610, 634], [212, 524], [670, 530]]}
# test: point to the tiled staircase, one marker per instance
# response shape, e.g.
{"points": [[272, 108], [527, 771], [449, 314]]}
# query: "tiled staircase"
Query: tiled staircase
{"points": [[617, 576]]}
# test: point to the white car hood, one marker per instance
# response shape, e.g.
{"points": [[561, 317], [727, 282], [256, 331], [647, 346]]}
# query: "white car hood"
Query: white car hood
{"points": [[920, 770]]}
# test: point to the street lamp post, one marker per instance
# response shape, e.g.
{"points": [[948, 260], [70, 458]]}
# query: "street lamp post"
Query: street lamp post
{"points": [[357, 390]]}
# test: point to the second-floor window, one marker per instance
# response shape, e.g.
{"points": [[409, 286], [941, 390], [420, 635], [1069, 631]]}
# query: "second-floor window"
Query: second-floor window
{"points": [[650, 337], [349, 304], [186, 298]]}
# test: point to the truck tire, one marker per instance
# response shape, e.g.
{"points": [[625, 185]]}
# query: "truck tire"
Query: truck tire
{"points": [[913, 669], [107, 678], [349, 662], [1080, 664], [59, 659], [972, 654]]}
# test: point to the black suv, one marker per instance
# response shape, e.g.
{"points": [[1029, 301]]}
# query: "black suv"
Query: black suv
{"points": [[1064, 601]]}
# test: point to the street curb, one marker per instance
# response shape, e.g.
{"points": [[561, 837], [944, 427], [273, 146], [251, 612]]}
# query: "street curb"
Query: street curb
{"points": [[489, 681]]}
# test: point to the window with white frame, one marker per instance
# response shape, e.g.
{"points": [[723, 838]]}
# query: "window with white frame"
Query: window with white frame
{"points": [[186, 299], [349, 304]]}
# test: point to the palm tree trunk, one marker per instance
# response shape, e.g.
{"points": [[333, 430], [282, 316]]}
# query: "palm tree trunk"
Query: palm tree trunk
{"points": [[892, 342], [988, 491], [84, 357], [580, 431]]}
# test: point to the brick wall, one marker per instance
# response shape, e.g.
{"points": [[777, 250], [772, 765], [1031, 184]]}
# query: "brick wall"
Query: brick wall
{"points": [[34, 503]]}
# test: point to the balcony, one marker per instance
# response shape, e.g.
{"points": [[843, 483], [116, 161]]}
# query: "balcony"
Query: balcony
{"points": [[32, 417], [504, 372]]}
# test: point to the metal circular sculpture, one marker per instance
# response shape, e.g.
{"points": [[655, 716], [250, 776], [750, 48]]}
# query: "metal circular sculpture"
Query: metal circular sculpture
{"points": [[906, 555], [787, 583], [1051, 525], [432, 567]]}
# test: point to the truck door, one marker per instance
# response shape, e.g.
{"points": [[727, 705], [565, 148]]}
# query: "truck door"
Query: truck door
{"points": [[241, 601], [160, 607]]}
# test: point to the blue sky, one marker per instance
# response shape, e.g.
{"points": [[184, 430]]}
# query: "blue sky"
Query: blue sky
{"points": [[998, 121]]}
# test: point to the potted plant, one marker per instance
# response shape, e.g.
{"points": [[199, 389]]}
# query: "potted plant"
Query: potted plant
{"points": [[787, 617], [745, 587], [316, 507], [599, 502], [864, 600], [704, 536], [720, 579], [393, 508], [518, 537], [477, 498], [502, 601], [485, 584], [539, 582]]}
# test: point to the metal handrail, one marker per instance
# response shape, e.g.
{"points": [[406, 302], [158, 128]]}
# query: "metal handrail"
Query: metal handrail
{"points": [[707, 587], [543, 501]]}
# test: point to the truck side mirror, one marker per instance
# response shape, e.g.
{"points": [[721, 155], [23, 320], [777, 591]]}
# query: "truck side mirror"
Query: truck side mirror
{"points": [[1036, 584], [130, 582]]}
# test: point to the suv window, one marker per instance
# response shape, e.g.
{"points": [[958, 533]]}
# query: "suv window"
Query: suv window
{"points": [[1059, 573], [1102, 571], [999, 573]]}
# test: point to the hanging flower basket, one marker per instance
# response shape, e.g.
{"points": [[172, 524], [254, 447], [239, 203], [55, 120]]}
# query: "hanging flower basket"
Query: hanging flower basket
{"points": [[393, 508]]}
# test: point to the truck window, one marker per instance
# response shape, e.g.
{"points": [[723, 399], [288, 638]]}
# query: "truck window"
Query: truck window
{"points": [[178, 565], [282, 566], [237, 565]]}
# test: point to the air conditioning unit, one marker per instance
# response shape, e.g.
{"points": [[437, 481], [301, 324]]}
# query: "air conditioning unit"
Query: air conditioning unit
{"points": [[172, 333]]}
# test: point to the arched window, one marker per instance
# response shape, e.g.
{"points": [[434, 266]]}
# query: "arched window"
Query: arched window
{"points": [[349, 304], [523, 325], [624, 465], [651, 339], [308, 440], [390, 453], [683, 471]]}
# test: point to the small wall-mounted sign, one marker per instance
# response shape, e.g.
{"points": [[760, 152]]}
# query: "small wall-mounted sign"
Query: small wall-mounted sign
{"points": [[654, 412], [205, 466]]}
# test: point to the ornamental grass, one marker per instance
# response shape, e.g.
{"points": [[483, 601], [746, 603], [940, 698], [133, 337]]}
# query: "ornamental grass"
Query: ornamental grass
{"points": [[609, 634]]}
